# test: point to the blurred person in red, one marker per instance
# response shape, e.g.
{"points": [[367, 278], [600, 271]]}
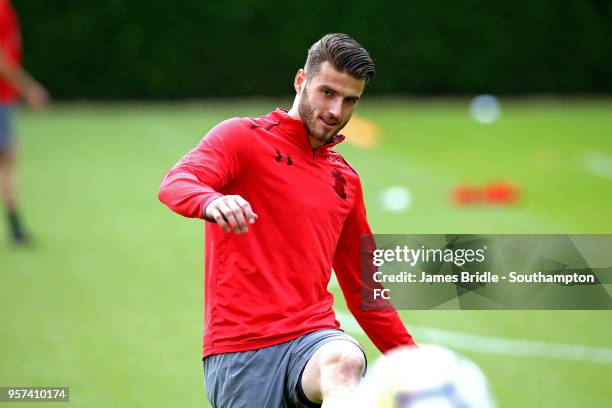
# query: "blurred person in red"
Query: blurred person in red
{"points": [[14, 82]]}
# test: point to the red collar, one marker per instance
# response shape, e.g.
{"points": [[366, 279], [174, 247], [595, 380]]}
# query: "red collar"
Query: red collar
{"points": [[295, 129]]}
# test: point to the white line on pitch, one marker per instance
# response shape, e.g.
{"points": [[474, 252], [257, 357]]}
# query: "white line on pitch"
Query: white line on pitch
{"points": [[495, 345]]}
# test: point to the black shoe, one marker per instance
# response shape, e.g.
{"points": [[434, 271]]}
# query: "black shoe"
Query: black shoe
{"points": [[21, 240], [18, 236]]}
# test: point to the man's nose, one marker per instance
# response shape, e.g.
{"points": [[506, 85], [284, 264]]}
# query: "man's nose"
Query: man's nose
{"points": [[335, 108]]}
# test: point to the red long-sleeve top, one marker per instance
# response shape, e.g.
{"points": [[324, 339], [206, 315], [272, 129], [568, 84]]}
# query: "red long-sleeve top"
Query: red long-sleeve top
{"points": [[10, 47], [269, 285]]}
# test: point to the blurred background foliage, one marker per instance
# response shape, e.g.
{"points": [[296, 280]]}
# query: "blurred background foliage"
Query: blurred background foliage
{"points": [[115, 49]]}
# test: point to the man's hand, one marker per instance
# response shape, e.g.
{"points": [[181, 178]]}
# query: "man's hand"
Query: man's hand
{"points": [[36, 96], [231, 211]]}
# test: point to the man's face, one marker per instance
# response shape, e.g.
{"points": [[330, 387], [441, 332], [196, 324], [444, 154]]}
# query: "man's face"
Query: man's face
{"points": [[327, 101]]}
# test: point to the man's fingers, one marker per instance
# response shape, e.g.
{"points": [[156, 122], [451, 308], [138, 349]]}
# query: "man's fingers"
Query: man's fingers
{"points": [[246, 208], [240, 216], [229, 216], [232, 212], [218, 217]]}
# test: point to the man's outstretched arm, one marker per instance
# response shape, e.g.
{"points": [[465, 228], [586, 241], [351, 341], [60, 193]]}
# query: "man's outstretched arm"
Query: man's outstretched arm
{"points": [[383, 327], [192, 187]]}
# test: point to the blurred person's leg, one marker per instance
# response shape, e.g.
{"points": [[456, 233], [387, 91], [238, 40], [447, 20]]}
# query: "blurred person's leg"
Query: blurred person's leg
{"points": [[7, 174]]}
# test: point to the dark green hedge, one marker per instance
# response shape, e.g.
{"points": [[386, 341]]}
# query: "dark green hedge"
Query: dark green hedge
{"points": [[197, 48]]}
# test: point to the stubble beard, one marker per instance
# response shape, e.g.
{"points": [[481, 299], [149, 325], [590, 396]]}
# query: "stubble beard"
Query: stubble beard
{"points": [[310, 121]]}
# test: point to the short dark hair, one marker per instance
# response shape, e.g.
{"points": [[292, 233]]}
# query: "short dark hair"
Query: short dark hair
{"points": [[343, 53]]}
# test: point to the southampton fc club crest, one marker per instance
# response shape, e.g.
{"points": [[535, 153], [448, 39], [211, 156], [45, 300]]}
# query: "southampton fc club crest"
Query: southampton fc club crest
{"points": [[335, 158], [339, 183]]}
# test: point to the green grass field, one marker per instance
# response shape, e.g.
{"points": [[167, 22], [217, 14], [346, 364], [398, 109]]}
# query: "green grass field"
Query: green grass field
{"points": [[109, 301]]}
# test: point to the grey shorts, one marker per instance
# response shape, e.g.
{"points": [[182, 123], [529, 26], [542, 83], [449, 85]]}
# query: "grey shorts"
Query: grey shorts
{"points": [[6, 126], [269, 377]]}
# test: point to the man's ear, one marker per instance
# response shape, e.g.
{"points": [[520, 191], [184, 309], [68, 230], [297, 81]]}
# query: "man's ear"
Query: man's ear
{"points": [[300, 81]]}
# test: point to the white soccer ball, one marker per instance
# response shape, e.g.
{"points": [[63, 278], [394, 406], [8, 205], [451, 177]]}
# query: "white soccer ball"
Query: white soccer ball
{"points": [[423, 377], [485, 109]]}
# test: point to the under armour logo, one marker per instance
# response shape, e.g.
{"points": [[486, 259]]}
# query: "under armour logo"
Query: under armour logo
{"points": [[279, 157], [339, 183]]}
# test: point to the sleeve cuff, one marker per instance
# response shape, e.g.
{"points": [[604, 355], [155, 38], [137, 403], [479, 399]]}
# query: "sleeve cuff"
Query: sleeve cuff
{"points": [[205, 203]]}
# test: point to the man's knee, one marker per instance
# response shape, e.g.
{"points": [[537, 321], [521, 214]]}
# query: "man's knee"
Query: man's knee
{"points": [[342, 357], [335, 366]]}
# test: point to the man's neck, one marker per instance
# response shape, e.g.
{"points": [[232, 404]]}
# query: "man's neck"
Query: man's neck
{"points": [[315, 143], [294, 113]]}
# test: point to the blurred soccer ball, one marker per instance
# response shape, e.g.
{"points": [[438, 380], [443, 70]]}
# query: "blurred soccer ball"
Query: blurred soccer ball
{"points": [[485, 109], [424, 377]]}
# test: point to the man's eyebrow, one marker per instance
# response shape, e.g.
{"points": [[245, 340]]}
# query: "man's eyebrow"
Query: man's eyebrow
{"points": [[330, 88]]}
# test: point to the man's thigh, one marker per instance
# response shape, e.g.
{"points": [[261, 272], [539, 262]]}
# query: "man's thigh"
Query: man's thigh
{"points": [[252, 378]]}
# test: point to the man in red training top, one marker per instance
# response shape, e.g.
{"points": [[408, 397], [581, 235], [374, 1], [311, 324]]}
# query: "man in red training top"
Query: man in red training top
{"points": [[283, 209], [14, 81]]}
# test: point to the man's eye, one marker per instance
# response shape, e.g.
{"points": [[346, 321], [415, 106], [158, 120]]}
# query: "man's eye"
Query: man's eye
{"points": [[327, 92]]}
